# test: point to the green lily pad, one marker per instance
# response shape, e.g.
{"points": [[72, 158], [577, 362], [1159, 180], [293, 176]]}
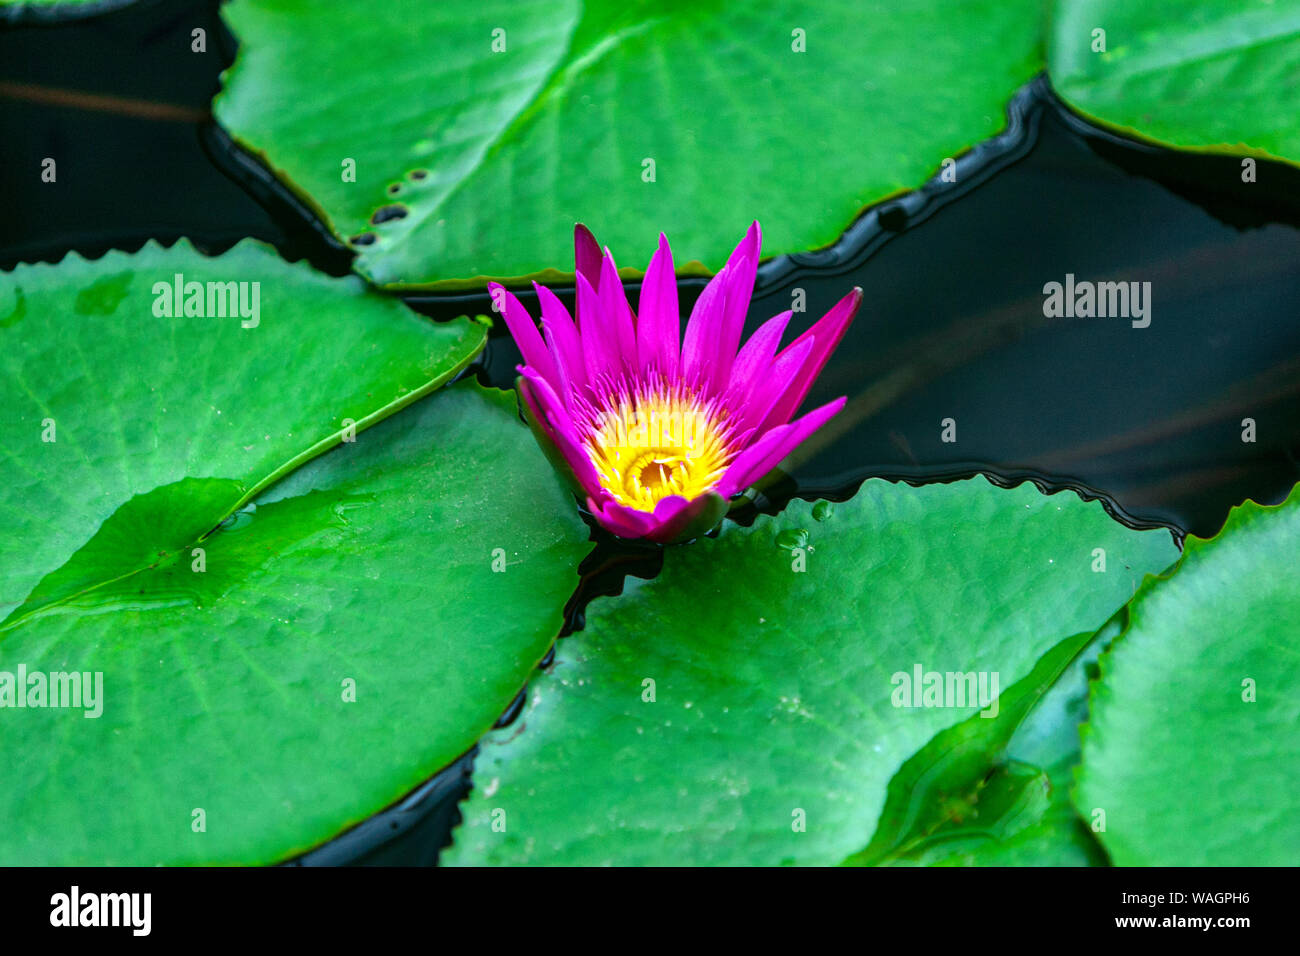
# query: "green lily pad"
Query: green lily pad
{"points": [[107, 407], [961, 800], [1214, 75], [353, 630], [522, 118], [1190, 754], [774, 689]]}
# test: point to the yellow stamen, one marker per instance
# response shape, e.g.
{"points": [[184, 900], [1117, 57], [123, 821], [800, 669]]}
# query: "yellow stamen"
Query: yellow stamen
{"points": [[655, 445]]}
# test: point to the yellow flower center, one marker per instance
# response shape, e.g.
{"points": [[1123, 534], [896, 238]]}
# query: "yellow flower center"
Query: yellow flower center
{"points": [[652, 446]]}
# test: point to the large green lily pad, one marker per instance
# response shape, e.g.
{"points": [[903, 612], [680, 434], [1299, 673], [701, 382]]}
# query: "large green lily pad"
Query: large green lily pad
{"points": [[107, 408], [524, 117], [1191, 756], [356, 628], [774, 689], [1218, 75]]}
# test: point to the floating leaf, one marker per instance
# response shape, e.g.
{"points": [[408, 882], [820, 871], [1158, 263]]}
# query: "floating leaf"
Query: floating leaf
{"points": [[705, 716], [462, 140], [356, 629], [107, 407], [1219, 75], [1191, 756]]}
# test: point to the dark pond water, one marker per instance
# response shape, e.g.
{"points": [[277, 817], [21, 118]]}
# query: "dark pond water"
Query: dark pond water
{"points": [[1143, 411]]}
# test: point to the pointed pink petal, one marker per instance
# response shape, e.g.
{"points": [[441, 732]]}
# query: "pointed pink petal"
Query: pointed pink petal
{"points": [[668, 516], [659, 323], [586, 255], [549, 412], [773, 387], [755, 358], [524, 331], [743, 266], [700, 342], [562, 339], [544, 399], [678, 519], [621, 520], [672, 518], [616, 312], [825, 335], [770, 450]]}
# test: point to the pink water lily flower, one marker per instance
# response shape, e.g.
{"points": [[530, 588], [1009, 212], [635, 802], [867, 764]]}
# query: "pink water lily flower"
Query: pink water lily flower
{"points": [[657, 431]]}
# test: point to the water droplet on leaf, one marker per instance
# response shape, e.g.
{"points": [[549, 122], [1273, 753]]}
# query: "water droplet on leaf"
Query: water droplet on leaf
{"points": [[792, 538]]}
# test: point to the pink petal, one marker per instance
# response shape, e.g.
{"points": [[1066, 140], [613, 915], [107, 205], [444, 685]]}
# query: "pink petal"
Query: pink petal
{"points": [[616, 312], [718, 318], [666, 514], [769, 451], [775, 384], [621, 520], [672, 516], [755, 358], [825, 335], [586, 255], [659, 323], [562, 339], [679, 518], [549, 412], [525, 334], [743, 266]]}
